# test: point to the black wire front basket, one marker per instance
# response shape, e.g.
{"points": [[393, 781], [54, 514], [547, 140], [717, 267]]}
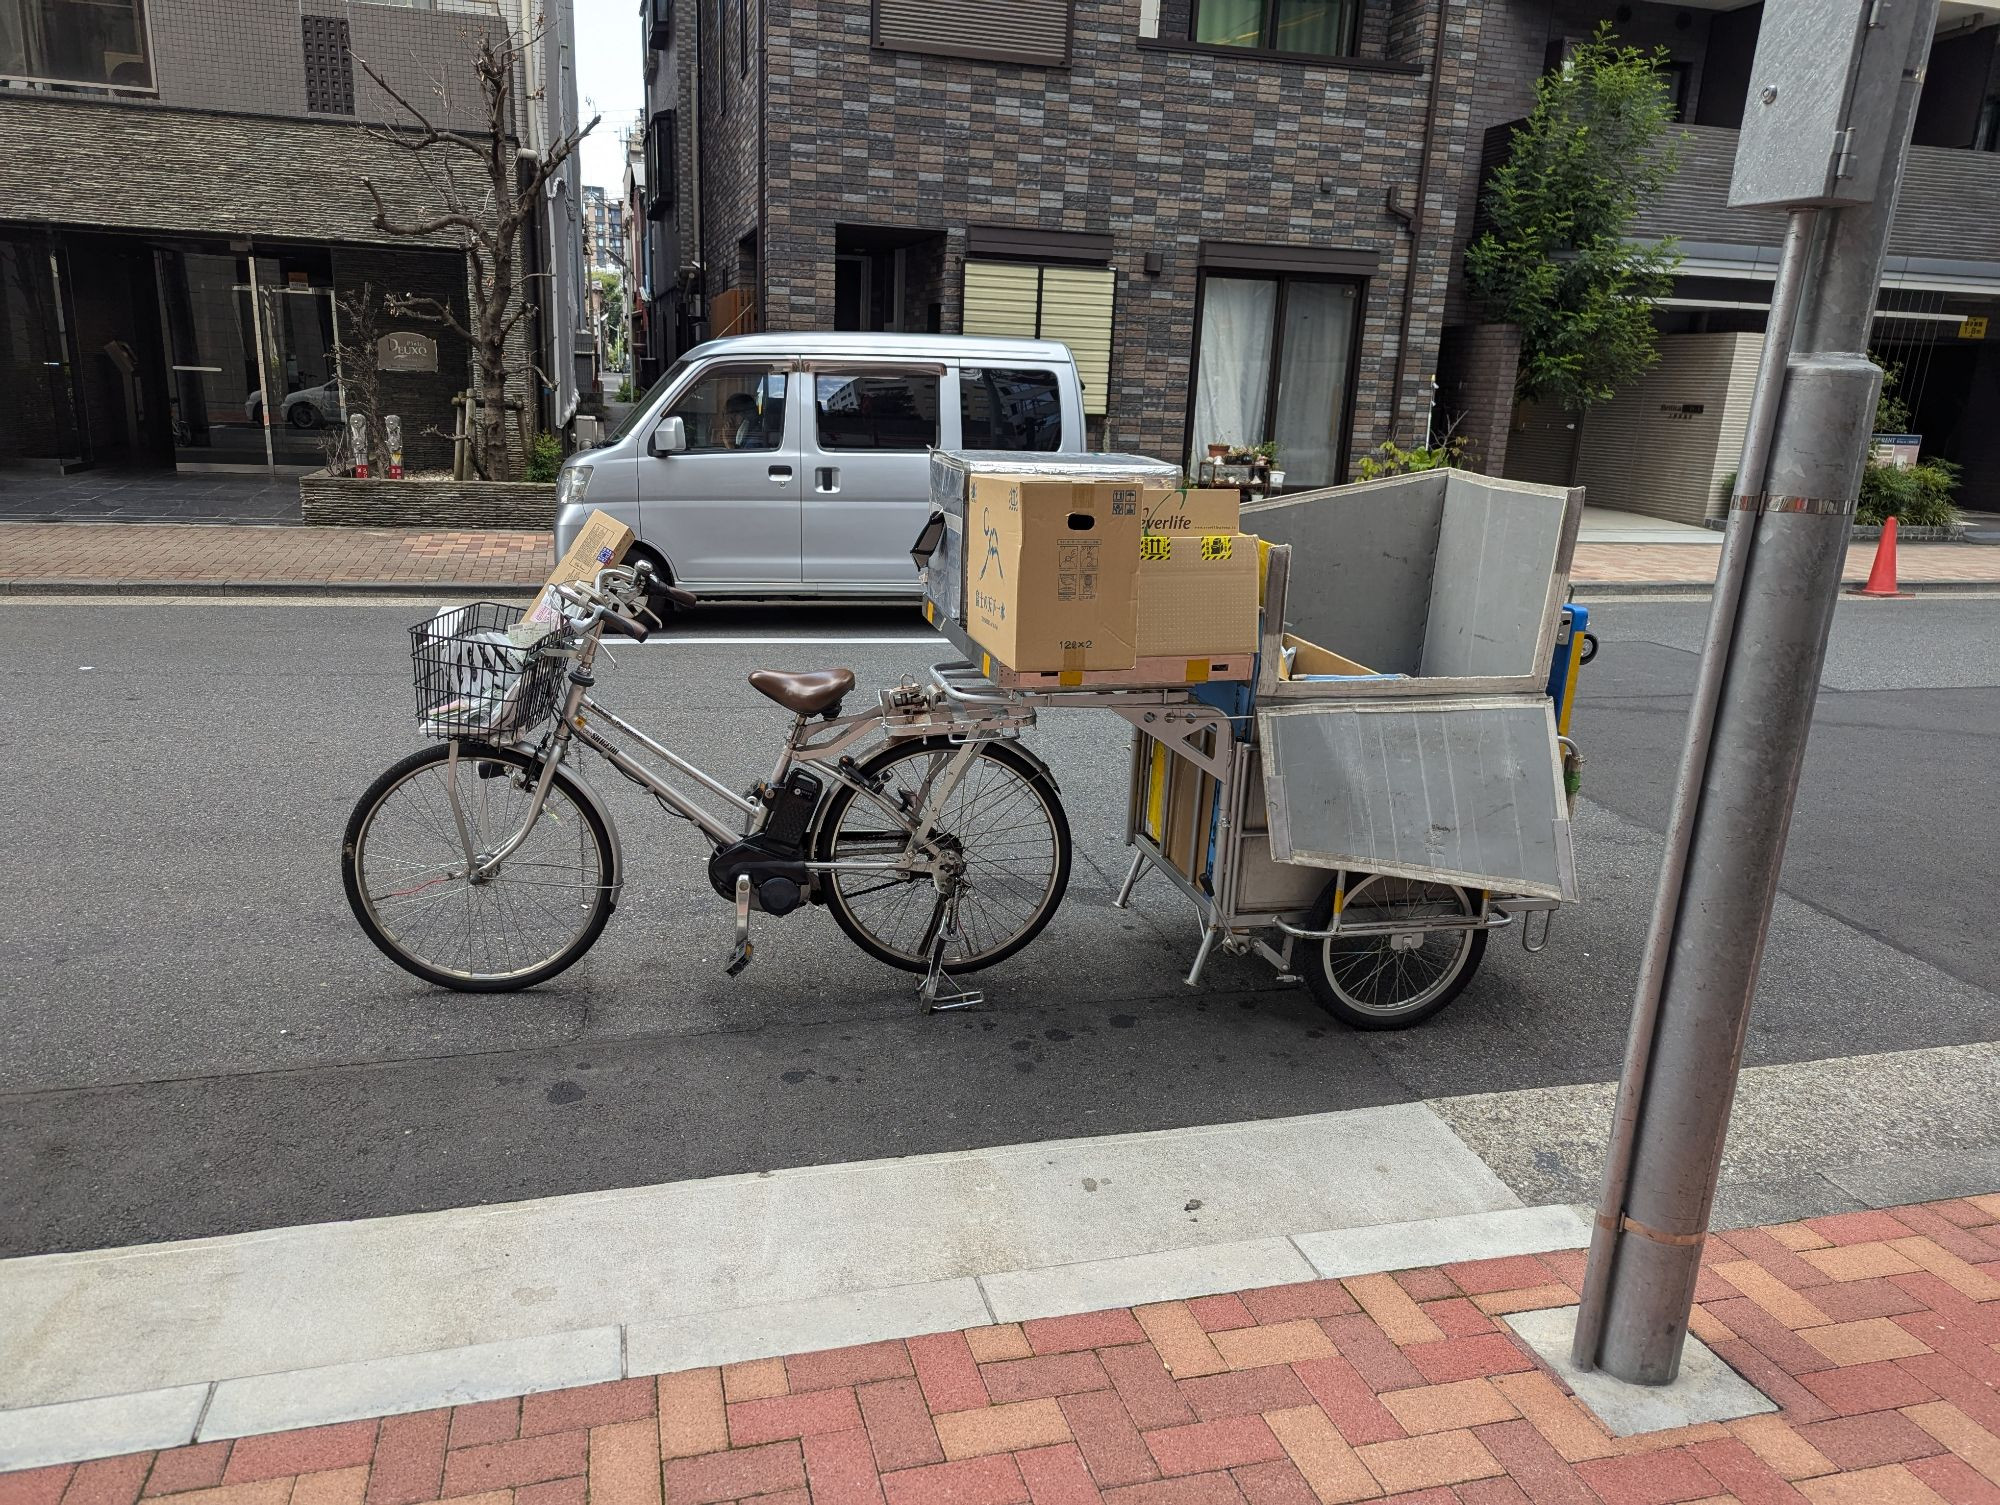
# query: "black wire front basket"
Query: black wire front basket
{"points": [[482, 672]]}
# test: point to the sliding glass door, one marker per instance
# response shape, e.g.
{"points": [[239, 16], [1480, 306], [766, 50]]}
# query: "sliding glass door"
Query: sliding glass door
{"points": [[217, 381], [1273, 365]]}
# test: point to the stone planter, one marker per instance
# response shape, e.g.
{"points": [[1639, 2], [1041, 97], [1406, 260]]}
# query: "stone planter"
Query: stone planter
{"points": [[327, 500]]}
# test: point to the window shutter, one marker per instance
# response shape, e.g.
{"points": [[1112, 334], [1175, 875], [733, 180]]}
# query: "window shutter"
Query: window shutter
{"points": [[1025, 31], [1002, 297], [1076, 309], [1071, 304]]}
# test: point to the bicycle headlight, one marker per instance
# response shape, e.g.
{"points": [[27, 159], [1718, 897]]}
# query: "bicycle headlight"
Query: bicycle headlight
{"points": [[572, 481]]}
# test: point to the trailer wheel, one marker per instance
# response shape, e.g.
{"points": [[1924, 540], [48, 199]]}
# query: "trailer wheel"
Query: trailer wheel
{"points": [[1394, 980]]}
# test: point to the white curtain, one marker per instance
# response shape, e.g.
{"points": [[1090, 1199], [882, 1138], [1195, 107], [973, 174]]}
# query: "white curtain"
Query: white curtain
{"points": [[1312, 381], [1233, 369]]}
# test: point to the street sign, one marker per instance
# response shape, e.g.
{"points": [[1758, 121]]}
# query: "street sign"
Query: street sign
{"points": [[1972, 327]]}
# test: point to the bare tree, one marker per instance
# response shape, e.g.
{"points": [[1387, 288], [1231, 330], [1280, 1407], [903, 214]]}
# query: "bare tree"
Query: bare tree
{"points": [[360, 325], [486, 187]]}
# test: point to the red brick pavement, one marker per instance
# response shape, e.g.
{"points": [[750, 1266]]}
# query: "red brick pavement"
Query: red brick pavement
{"points": [[1682, 564], [117, 553], [204, 554], [1878, 1332]]}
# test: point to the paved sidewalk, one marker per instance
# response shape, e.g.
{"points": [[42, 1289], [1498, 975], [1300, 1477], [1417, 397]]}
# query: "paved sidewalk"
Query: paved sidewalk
{"points": [[48, 555], [1662, 564], [1876, 1334], [128, 554]]}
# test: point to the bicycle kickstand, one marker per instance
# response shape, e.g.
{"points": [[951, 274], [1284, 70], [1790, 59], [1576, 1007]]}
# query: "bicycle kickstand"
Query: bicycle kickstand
{"points": [[938, 992], [741, 957]]}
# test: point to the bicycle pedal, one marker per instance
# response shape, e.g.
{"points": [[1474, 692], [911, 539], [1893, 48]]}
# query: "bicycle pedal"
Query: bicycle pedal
{"points": [[740, 958]]}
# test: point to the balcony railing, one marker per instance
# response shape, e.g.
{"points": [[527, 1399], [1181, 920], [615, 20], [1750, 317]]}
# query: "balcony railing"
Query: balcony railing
{"points": [[1949, 209]]}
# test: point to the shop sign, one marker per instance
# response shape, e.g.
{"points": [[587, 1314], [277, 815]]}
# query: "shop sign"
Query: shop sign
{"points": [[406, 352]]}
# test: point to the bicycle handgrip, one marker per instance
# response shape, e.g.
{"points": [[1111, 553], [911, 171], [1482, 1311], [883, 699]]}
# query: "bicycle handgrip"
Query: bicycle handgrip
{"points": [[638, 632]]}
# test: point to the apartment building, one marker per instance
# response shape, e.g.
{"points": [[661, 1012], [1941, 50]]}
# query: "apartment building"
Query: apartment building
{"points": [[183, 218], [1669, 443], [1247, 216], [1234, 211]]}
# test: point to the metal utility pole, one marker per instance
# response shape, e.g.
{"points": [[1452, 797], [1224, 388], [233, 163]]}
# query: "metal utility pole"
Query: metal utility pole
{"points": [[1826, 129]]}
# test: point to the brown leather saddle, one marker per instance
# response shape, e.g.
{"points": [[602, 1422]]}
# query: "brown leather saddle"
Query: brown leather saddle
{"points": [[805, 694]]}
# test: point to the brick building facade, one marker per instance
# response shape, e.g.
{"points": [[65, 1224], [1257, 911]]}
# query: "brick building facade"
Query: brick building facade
{"points": [[865, 163], [183, 225], [845, 176]]}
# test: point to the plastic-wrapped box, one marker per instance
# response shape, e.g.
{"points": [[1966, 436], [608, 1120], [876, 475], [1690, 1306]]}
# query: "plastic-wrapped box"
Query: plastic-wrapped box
{"points": [[951, 482]]}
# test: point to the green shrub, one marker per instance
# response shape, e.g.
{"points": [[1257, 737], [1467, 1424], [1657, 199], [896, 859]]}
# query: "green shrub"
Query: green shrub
{"points": [[1391, 459], [545, 458], [1919, 497], [626, 392]]}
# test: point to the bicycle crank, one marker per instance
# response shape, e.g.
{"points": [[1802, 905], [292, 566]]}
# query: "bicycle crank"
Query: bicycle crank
{"points": [[741, 957]]}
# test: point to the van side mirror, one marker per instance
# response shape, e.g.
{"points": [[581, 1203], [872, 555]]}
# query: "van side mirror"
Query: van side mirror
{"points": [[669, 437]]}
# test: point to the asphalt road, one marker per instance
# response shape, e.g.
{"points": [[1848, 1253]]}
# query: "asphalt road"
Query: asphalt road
{"points": [[199, 1040]]}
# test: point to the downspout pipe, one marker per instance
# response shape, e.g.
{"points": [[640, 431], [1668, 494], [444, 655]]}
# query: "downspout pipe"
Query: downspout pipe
{"points": [[1419, 215]]}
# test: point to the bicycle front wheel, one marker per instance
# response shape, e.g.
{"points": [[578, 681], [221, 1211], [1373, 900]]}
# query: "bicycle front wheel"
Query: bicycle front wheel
{"points": [[403, 863], [1003, 816]]}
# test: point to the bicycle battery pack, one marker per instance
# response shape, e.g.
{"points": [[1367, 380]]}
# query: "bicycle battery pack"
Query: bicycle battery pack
{"points": [[793, 804]]}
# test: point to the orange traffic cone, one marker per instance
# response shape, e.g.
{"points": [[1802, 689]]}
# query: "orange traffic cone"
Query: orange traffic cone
{"points": [[1882, 575]]}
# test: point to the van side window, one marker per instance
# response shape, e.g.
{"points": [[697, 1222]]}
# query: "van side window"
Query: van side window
{"points": [[876, 409], [1009, 409], [735, 407]]}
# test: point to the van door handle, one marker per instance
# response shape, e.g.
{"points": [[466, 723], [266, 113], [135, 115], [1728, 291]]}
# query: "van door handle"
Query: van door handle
{"points": [[782, 474], [827, 478]]}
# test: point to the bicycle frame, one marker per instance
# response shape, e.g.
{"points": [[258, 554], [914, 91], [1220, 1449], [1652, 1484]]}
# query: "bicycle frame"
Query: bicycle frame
{"points": [[825, 748]]}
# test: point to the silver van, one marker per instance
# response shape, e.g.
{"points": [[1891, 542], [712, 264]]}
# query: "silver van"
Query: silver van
{"points": [[796, 464]]}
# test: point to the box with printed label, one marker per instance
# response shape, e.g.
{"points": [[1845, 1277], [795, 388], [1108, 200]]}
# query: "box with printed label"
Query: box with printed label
{"points": [[599, 543], [1197, 595], [1051, 572], [1191, 510]]}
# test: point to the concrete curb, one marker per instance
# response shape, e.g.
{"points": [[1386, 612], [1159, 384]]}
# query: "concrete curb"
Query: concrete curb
{"points": [[303, 588], [1587, 589]]}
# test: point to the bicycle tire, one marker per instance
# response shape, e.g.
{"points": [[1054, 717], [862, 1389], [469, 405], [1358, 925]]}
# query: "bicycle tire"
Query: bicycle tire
{"points": [[1033, 780], [1330, 982], [354, 856]]}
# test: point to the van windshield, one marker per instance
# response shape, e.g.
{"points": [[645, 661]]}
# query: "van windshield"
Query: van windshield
{"points": [[645, 404]]}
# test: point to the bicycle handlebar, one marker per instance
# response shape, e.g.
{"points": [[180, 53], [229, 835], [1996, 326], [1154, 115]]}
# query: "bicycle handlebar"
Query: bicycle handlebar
{"points": [[638, 632]]}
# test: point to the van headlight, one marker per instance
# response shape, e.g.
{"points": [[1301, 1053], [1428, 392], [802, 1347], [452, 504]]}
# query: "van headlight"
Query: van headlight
{"points": [[572, 481]]}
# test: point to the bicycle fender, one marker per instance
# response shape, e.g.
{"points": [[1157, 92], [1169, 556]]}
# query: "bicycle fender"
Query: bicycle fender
{"points": [[1035, 758]]}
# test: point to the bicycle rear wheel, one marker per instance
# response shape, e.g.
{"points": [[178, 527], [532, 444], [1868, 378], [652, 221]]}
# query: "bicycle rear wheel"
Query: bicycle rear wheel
{"points": [[1003, 816], [403, 865]]}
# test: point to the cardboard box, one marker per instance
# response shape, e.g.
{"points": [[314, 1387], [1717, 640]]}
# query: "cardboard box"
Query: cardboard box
{"points": [[601, 541], [1192, 510], [951, 473], [1197, 595], [1051, 570]]}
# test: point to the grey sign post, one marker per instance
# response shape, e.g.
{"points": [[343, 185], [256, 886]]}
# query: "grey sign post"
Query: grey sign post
{"points": [[1826, 129]]}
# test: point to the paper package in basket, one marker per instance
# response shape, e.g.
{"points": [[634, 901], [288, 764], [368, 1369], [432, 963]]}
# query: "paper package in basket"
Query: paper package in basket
{"points": [[482, 675]]}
